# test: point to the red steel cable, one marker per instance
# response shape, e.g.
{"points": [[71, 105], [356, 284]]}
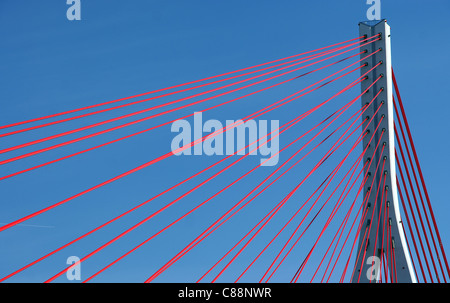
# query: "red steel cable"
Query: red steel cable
{"points": [[172, 102], [366, 176], [332, 216], [348, 235], [248, 267], [129, 211], [304, 263], [154, 107], [298, 119], [299, 225], [267, 271], [334, 211], [2, 228], [262, 226], [279, 205], [168, 205], [281, 230], [341, 228], [392, 254], [171, 87], [419, 169], [383, 203], [228, 218], [187, 248], [420, 195], [383, 239], [164, 95], [359, 252], [414, 220], [109, 265], [410, 230], [363, 217], [280, 202], [371, 221], [417, 208], [362, 223], [156, 115], [154, 197], [140, 132]]}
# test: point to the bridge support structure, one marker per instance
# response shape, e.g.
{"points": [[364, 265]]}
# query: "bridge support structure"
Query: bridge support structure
{"points": [[387, 238]]}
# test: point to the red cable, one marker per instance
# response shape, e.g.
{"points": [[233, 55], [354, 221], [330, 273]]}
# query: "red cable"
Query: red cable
{"points": [[151, 108], [362, 222], [345, 242], [370, 224], [300, 225], [363, 218], [109, 265], [419, 169], [94, 230], [359, 252], [329, 219], [267, 221], [112, 220], [347, 216], [147, 201], [295, 243], [294, 232], [421, 198], [279, 205], [410, 230], [165, 95], [388, 264], [171, 87], [2, 228], [352, 185], [301, 116], [292, 217], [187, 249], [343, 225], [417, 208], [414, 220], [383, 201], [128, 136], [385, 214], [216, 227], [152, 116], [169, 103], [168, 205], [285, 224]]}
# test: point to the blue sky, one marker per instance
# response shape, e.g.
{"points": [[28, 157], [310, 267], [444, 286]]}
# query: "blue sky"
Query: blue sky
{"points": [[120, 48]]}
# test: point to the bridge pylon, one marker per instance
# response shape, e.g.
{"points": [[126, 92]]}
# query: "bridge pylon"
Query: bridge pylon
{"points": [[381, 235]]}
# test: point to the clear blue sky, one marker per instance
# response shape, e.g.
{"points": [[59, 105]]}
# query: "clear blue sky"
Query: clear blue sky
{"points": [[49, 64]]}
